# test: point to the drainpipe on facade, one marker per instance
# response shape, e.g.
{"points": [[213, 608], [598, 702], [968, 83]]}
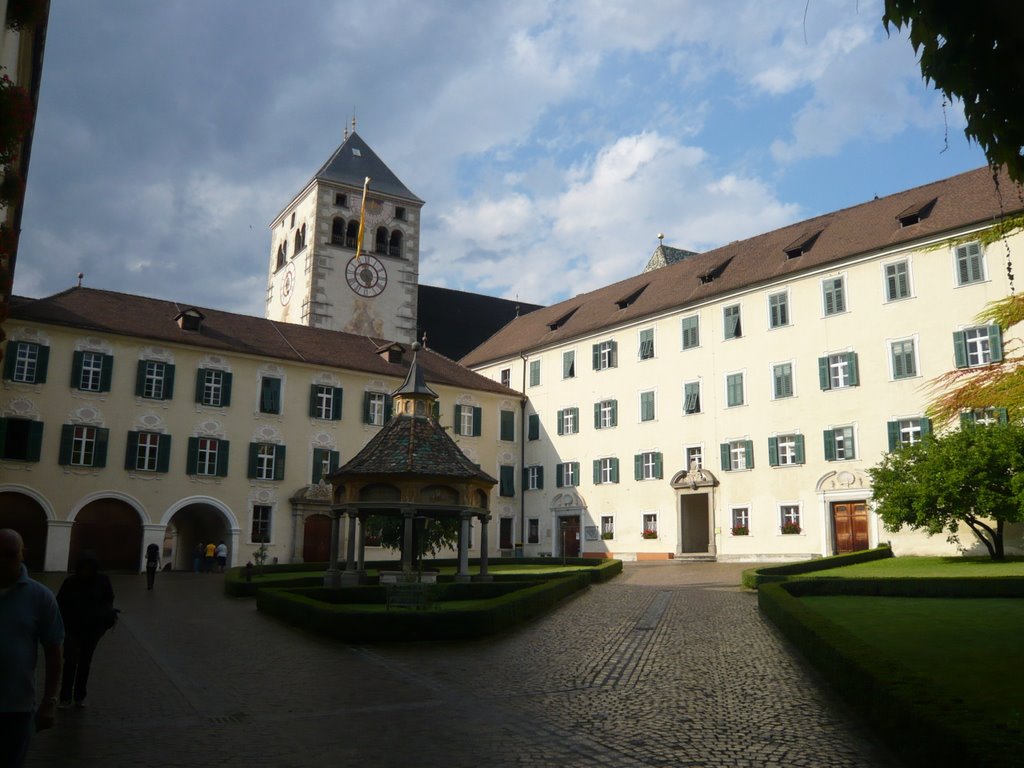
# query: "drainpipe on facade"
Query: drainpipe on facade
{"points": [[521, 538]]}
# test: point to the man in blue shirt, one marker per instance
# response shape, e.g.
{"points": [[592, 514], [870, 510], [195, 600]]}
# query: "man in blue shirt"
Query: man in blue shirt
{"points": [[28, 618]]}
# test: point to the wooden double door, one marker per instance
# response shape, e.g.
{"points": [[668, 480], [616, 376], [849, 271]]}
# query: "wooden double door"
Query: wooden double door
{"points": [[850, 526]]}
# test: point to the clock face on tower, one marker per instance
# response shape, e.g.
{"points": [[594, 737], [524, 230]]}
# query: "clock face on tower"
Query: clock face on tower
{"points": [[367, 276], [288, 284]]}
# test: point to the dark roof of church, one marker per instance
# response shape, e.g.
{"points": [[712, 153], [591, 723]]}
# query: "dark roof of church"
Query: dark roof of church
{"points": [[457, 322], [353, 161], [969, 199], [413, 445], [140, 317]]}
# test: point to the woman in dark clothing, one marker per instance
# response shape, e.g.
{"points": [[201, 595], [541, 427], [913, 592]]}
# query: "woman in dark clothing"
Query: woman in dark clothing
{"points": [[86, 601]]}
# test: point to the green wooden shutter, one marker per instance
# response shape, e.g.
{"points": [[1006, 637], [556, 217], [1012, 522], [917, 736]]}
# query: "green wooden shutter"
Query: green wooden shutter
{"points": [[926, 426], [140, 378], [106, 373], [748, 449], [824, 379], [830, 444], [200, 384], [131, 450], [773, 451], [222, 458], [568, 359], [597, 471], [799, 448], [270, 395], [314, 391], [995, 343], [534, 427], [337, 401], [67, 434], [35, 441], [638, 466], [279, 451], [225, 390], [892, 428], [318, 464], [597, 357], [560, 423], [435, 410], [658, 469], [597, 415], [960, 348], [76, 371], [389, 407], [615, 413], [559, 475], [457, 420], [526, 477], [851, 367], [367, 417], [575, 472], [478, 421], [254, 452], [99, 455], [613, 357], [723, 451], [575, 419], [42, 364], [10, 359], [615, 470], [192, 456], [967, 419], [168, 381], [1002, 416], [163, 453]]}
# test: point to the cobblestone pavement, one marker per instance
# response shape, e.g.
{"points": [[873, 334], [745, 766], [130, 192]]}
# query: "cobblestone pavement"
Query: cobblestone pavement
{"points": [[667, 665]]}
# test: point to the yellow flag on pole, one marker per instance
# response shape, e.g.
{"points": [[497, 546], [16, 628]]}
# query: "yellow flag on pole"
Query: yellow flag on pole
{"points": [[362, 219]]}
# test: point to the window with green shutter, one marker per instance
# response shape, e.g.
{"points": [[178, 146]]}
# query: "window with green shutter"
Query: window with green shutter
{"points": [[897, 281], [147, 452], [691, 332], [691, 397], [978, 346], [26, 362], [605, 355], [82, 445], [734, 389], [506, 480], [647, 466], [606, 414], [569, 364], [731, 321], [91, 371], [154, 380], [984, 416], [907, 432], [325, 402], [533, 428], [833, 296], [839, 444], [213, 388], [325, 461], [535, 373], [904, 361], [782, 380], [270, 395], [20, 439], [646, 351], [785, 450], [646, 406], [969, 265], [838, 371], [507, 429], [778, 309]]}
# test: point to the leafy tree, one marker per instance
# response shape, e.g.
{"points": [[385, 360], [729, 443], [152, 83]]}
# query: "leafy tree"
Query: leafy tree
{"points": [[973, 476], [429, 536], [972, 51]]}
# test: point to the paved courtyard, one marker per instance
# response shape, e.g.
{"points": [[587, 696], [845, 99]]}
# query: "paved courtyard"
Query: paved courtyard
{"points": [[667, 665]]}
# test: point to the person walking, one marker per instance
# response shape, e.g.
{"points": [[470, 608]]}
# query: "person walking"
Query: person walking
{"points": [[29, 617], [211, 551], [197, 557], [86, 601], [222, 556], [152, 563]]}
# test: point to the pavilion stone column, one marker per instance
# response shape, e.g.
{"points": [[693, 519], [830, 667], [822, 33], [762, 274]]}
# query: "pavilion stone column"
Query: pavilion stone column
{"points": [[712, 538], [332, 577], [58, 545], [350, 578], [298, 532], [484, 574], [361, 545], [407, 553], [463, 573], [152, 534]]}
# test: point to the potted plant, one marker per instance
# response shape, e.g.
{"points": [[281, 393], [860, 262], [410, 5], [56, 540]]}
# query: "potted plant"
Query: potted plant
{"points": [[606, 535], [650, 533], [791, 528], [740, 530]]}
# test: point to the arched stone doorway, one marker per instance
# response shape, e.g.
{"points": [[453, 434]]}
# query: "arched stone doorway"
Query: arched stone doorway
{"points": [[568, 510], [112, 529], [316, 538], [695, 490], [194, 523], [26, 516]]}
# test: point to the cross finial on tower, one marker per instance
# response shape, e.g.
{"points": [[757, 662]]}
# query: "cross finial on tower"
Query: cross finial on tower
{"points": [[353, 120]]}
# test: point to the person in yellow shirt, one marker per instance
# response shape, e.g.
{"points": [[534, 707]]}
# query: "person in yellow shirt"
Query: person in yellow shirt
{"points": [[211, 550]]}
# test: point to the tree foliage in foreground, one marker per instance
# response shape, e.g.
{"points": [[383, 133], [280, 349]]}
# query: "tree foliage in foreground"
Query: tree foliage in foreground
{"points": [[973, 476], [437, 535], [972, 51]]}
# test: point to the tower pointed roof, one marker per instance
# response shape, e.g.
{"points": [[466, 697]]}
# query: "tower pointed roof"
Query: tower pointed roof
{"points": [[414, 383], [353, 161]]}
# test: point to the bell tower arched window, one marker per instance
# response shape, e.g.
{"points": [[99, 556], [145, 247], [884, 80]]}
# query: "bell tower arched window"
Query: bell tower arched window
{"points": [[395, 244], [351, 234], [338, 231], [300, 238], [380, 243], [282, 254]]}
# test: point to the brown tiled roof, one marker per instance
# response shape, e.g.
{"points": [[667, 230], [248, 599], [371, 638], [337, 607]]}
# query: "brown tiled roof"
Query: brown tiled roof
{"points": [[968, 199], [412, 445], [89, 309]]}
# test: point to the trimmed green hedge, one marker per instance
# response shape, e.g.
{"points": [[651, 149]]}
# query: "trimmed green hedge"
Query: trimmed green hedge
{"points": [[892, 699], [306, 608], [755, 577]]}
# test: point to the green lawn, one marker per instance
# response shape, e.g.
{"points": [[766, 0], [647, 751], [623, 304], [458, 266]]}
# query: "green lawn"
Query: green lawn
{"points": [[965, 653], [910, 567]]}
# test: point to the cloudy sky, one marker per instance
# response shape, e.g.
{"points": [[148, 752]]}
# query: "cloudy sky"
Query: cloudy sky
{"points": [[552, 141]]}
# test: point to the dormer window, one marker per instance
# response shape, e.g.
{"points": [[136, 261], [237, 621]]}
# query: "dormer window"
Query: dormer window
{"points": [[915, 213], [356, 152], [554, 326], [802, 244], [626, 301], [393, 353], [190, 320]]}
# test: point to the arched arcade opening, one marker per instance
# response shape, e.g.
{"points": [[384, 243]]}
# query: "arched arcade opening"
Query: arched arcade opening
{"points": [[193, 524], [25, 515], [112, 529]]}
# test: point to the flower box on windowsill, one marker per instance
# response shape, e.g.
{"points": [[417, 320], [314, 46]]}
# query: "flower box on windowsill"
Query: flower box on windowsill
{"points": [[790, 529], [650, 534], [740, 530], [607, 535]]}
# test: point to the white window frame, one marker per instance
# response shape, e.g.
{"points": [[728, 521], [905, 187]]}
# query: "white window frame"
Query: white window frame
{"points": [[739, 520], [207, 449], [982, 266], [607, 468], [533, 477], [839, 371], [505, 377], [83, 445], [739, 322], [649, 522], [604, 354], [26, 363], [92, 372], [786, 446], [155, 380], [737, 455], [683, 329], [788, 515], [792, 380], [378, 402], [639, 344], [466, 421], [570, 421], [890, 344], [267, 526], [700, 404], [147, 451], [213, 387], [911, 429], [608, 526], [768, 301], [885, 281], [607, 407], [324, 401], [838, 441], [569, 479], [843, 294], [977, 346], [266, 458], [693, 449], [648, 465]]}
